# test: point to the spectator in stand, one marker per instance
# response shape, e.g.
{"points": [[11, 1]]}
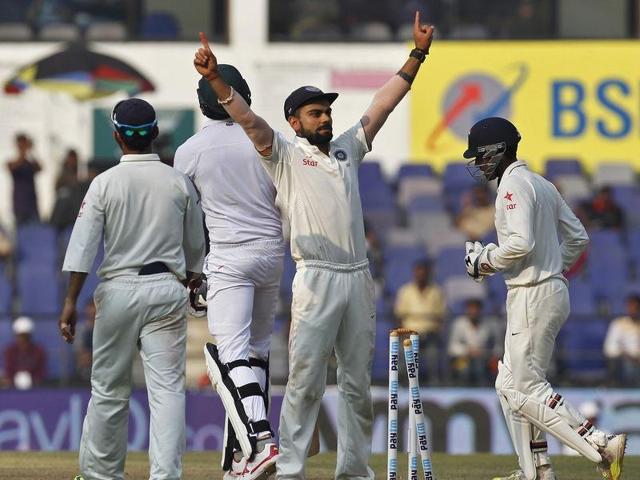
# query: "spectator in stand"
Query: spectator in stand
{"points": [[474, 346], [622, 345], [70, 192], [476, 219], [420, 305], [84, 345], [603, 212], [25, 361], [23, 169]]}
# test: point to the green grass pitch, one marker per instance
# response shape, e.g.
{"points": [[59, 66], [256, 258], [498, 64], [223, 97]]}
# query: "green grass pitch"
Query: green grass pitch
{"points": [[197, 466]]}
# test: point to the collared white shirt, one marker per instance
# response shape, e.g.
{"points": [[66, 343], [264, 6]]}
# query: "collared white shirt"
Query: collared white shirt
{"points": [[318, 195], [531, 217], [147, 211], [237, 195]]}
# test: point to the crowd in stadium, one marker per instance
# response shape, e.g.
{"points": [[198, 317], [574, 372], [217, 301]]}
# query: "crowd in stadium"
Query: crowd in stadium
{"points": [[416, 228]]}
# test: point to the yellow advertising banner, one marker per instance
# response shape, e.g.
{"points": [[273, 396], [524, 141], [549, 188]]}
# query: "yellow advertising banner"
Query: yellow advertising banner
{"points": [[577, 99]]}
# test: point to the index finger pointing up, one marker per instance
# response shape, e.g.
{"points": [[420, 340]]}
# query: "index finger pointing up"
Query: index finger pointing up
{"points": [[416, 22], [204, 41]]}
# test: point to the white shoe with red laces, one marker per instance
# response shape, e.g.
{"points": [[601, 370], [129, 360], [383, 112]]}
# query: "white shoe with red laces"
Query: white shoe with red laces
{"points": [[264, 463]]}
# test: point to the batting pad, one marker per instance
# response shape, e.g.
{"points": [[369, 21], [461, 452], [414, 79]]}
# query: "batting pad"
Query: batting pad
{"points": [[231, 396], [547, 420]]}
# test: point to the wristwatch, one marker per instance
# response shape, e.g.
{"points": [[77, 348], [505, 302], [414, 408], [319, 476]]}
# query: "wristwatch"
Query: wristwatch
{"points": [[419, 54]]}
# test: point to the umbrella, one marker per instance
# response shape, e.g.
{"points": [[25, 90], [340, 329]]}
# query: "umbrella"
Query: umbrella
{"points": [[82, 73]]}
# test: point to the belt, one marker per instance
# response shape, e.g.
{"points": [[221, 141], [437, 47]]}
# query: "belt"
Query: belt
{"points": [[153, 268]]}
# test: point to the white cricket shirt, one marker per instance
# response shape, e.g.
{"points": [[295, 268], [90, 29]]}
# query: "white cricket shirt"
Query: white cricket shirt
{"points": [[319, 196], [538, 235], [147, 211], [237, 195]]}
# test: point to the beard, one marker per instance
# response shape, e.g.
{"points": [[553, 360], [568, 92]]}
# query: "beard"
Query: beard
{"points": [[317, 137]]}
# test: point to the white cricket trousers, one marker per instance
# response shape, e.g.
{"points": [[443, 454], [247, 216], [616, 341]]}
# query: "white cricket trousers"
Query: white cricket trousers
{"points": [[146, 314], [243, 283], [535, 315], [333, 308]]}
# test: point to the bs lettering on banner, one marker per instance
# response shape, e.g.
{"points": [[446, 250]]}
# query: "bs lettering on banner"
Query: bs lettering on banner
{"points": [[568, 99]]}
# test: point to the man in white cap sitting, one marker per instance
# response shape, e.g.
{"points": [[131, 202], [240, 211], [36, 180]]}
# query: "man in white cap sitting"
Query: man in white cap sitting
{"points": [[25, 361]]}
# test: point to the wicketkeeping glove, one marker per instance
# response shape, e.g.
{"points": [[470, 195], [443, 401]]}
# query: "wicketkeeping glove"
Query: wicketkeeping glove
{"points": [[477, 260]]}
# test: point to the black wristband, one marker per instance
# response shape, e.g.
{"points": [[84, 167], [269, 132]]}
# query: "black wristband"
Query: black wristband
{"points": [[405, 76], [419, 54]]}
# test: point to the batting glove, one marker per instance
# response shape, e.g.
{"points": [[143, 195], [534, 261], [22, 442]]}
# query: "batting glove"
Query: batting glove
{"points": [[477, 260], [198, 297]]}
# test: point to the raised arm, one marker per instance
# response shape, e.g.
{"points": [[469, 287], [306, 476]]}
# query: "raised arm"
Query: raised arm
{"points": [[394, 90], [256, 128]]}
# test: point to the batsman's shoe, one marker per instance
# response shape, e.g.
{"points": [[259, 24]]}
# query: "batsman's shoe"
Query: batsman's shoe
{"points": [[78, 477], [264, 463], [544, 472], [612, 457]]}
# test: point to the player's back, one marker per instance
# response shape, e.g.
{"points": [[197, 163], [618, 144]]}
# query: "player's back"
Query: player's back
{"points": [[144, 207], [237, 195]]}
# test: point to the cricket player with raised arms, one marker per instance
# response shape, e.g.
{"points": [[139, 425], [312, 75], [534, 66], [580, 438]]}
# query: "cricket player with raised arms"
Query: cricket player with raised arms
{"points": [[539, 238], [316, 178]]}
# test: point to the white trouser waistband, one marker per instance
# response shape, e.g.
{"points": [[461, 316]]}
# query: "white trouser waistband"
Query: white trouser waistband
{"points": [[137, 279], [335, 267], [256, 243]]}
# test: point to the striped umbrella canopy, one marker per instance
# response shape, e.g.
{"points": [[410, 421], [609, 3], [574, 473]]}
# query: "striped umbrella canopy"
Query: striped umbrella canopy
{"points": [[82, 73]]}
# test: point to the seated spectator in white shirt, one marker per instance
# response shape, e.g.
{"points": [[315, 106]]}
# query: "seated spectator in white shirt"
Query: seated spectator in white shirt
{"points": [[475, 345], [622, 345]]}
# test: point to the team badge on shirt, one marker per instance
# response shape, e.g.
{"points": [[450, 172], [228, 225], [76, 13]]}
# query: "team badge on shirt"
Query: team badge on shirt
{"points": [[340, 155]]}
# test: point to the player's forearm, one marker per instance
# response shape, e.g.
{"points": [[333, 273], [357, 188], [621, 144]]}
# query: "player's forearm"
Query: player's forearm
{"points": [[256, 128], [516, 247], [388, 97], [76, 281]]}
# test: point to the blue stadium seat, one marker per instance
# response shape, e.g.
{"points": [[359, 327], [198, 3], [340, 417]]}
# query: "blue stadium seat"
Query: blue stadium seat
{"points": [[38, 290], [380, 369], [565, 166], [456, 177], [370, 174], [36, 244], [160, 26], [608, 266], [408, 254], [6, 291], [381, 220], [397, 273], [497, 293], [582, 341], [414, 170], [450, 262], [426, 203], [581, 298], [633, 242]]}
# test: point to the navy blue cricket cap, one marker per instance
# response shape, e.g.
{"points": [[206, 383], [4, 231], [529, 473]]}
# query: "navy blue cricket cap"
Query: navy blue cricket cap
{"points": [[134, 113], [303, 96], [489, 131]]}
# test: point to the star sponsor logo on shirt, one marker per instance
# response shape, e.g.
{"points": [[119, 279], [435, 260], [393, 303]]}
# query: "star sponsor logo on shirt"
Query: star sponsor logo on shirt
{"points": [[509, 198], [309, 162]]}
